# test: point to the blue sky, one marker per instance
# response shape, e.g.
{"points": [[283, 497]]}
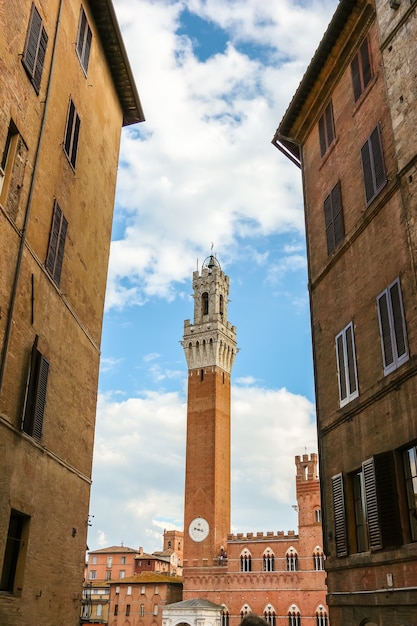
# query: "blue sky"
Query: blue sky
{"points": [[215, 79]]}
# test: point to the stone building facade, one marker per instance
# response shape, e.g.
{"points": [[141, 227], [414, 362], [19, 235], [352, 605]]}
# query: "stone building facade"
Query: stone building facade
{"points": [[275, 574], [351, 128], [66, 90]]}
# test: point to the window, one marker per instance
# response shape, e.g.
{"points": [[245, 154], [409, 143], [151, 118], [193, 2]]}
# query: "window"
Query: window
{"points": [[205, 303], [317, 515], [361, 70], [129, 590], [373, 165], [410, 469], [321, 616], [201, 375], [117, 589], [57, 237], [123, 560], [35, 400], [333, 218], [116, 609], [72, 131], [294, 616], [346, 365], [99, 610], [15, 552], [318, 559], [9, 153], [270, 615], [225, 617], [108, 575], [109, 561], [142, 610], [326, 129], [268, 561], [156, 590], [372, 504], [35, 47], [127, 610], [93, 574], [245, 562], [142, 590], [245, 610], [292, 560], [392, 327], [155, 609], [84, 37], [122, 573], [94, 560]]}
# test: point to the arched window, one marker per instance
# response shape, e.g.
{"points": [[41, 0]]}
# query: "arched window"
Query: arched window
{"points": [[270, 615], [268, 560], [294, 616], [318, 559], [321, 616], [225, 616], [292, 560], [245, 561], [221, 305], [245, 610], [204, 303]]}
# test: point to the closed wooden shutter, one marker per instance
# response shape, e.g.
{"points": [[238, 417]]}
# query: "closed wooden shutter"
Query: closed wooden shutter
{"points": [[333, 217], [371, 501], [32, 422], [356, 78], [373, 165], [339, 515]]}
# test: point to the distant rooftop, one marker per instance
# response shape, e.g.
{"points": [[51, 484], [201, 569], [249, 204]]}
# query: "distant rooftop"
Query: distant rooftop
{"points": [[114, 550]]}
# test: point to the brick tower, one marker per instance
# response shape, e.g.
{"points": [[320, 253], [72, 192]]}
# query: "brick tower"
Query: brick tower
{"points": [[210, 348]]}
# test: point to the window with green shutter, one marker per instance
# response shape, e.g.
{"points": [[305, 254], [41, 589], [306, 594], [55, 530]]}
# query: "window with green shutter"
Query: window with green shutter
{"points": [[35, 400], [361, 69]]}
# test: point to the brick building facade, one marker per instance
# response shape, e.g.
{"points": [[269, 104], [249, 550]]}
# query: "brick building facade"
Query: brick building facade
{"points": [[351, 128], [59, 145]]}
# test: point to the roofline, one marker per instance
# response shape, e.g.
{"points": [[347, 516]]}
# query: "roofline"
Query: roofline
{"points": [[117, 59], [282, 137]]}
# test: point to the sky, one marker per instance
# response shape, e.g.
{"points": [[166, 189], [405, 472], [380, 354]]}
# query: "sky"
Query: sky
{"points": [[200, 174]]}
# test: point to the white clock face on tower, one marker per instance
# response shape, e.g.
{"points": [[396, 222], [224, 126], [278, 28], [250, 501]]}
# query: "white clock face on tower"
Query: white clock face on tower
{"points": [[199, 529]]}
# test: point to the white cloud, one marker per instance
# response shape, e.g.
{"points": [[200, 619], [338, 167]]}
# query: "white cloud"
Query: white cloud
{"points": [[139, 462], [201, 168]]}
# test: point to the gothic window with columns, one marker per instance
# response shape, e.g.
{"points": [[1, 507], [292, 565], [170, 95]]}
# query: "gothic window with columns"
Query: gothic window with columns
{"points": [[268, 560], [321, 616], [318, 559], [292, 560], [245, 561], [294, 616], [270, 615], [245, 610], [225, 616]]}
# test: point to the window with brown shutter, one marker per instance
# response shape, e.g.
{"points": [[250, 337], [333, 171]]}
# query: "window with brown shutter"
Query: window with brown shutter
{"points": [[36, 394], [72, 131], [373, 165], [392, 327], [55, 255], [84, 37], [333, 217], [33, 57], [361, 70], [326, 129]]}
